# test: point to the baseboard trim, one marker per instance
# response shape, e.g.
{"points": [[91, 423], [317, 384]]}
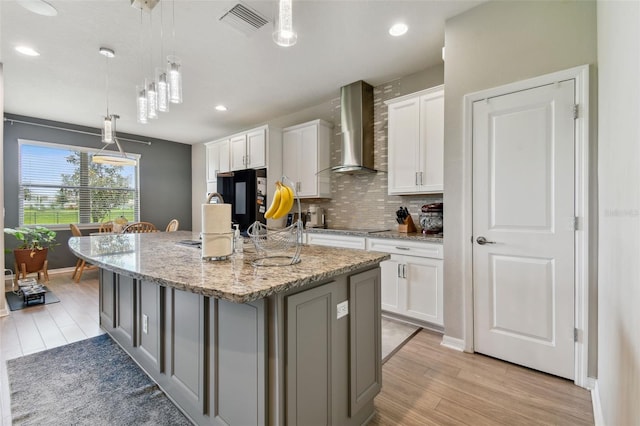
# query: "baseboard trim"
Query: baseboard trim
{"points": [[453, 343], [598, 417]]}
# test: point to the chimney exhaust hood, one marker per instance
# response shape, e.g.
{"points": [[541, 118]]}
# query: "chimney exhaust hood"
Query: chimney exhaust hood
{"points": [[356, 104]]}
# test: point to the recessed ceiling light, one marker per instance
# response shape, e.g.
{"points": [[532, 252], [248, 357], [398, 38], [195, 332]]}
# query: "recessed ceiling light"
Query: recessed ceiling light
{"points": [[26, 50], [398, 29], [105, 51], [40, 7], [221, 108]]}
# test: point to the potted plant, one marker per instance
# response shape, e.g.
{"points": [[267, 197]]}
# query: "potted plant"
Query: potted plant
{"points": [[34, 244]]}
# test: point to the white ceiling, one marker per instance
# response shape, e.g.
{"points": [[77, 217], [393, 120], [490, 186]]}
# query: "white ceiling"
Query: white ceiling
{"points": [[338, 42]]}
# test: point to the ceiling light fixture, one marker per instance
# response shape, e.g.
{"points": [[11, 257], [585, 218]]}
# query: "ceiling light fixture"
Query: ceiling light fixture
{"points": [[174, 65], [39, 7], [284, 35], [26, 50], [398, 29], [109, 128], [221, 108]]}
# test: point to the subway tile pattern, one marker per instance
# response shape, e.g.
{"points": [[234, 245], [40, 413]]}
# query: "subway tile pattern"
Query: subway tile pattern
{"points": [[361, 201]]}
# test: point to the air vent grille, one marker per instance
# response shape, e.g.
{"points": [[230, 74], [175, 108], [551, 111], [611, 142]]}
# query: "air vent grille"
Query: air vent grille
{"points": [[244, 19]]}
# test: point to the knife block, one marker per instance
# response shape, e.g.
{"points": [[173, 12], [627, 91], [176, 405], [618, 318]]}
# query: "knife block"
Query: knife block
{"points": [[408, 226]]}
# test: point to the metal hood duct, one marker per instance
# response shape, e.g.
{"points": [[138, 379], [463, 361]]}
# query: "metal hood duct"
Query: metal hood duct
{"points": [[356, 103]]}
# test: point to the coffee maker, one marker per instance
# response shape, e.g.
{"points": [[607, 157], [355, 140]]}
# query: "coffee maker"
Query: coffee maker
{"points": [[315, 217]]}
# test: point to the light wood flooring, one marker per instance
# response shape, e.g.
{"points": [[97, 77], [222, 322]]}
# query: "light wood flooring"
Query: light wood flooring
{"points": [[424, 383]]}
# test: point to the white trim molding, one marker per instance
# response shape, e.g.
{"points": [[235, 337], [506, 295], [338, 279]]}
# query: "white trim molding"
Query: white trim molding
{"points": [[453, 343], [581, 205], [598, 417]]}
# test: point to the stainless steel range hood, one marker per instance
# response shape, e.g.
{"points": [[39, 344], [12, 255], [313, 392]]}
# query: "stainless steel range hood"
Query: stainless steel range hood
{"points": [[356, 103]]}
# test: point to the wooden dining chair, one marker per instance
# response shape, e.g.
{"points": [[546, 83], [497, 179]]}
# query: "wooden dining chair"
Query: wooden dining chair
{"points": [[106, 227], [172, 226], [81, 264], [140, 227]]}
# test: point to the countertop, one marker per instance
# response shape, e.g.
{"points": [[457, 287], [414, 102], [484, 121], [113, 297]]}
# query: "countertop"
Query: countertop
{"points": [[391, 234], [157, 257]]}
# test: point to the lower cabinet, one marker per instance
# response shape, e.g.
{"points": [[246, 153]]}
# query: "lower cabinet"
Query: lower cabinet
{"points": [[294, 358], [333, 361], [412, 286]]}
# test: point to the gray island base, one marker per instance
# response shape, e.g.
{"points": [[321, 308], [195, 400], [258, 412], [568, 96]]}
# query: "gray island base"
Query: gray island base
{"points": [[235, 344]]}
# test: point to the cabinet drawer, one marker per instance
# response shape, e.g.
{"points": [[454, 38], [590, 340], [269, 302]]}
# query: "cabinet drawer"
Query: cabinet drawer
{"points": [[343, 241], [406, 247]]}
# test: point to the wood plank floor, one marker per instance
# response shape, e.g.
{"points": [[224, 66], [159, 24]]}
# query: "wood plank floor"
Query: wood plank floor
{"points": [[424, 383]]}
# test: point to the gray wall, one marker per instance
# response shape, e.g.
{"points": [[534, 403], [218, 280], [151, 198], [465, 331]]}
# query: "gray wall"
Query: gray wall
{"points": [[496, 43], [165, 178], [619, 174]]}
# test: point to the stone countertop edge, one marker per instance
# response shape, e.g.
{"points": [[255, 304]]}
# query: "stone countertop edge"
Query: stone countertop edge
{"points": [[158, 258], [414, 236]]}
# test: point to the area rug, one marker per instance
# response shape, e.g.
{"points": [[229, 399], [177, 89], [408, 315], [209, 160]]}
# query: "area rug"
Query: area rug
{"points": [[16, 302], [90, 382], [394, 335]]}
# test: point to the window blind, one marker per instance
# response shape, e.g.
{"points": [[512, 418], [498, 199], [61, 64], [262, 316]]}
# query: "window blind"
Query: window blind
{"points": [[59, 185]]}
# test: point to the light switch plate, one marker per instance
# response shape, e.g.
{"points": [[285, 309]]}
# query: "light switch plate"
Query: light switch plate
{"points": [[342, 309]]}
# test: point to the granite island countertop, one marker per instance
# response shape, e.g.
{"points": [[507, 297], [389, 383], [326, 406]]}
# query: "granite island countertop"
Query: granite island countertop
{"points": [[158, 257], [391, 234]]}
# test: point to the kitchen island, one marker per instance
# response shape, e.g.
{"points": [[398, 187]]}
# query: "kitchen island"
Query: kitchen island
{"points": [[232, 343]]}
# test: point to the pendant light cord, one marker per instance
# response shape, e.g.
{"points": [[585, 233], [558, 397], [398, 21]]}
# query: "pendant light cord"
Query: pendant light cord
{"points": [[107, 83]]}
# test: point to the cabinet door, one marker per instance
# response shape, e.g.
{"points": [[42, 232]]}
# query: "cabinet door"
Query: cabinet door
{"points": [[432, 142], [390, 285], [308, 180], [223, 156], [424, 286], [256, 149], [212, 162], [291, 155], [309, 356], [403, 142], [238, 152]]}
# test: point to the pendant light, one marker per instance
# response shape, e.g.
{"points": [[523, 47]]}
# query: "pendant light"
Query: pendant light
{"points": [[162, 82], [284, 35], [173, 66], [118, 158]]}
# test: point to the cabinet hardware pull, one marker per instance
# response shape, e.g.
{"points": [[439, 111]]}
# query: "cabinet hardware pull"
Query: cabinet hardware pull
{"points": [[404, 271], [399, 273], [421, 181], [416, 178], [403, 248]]}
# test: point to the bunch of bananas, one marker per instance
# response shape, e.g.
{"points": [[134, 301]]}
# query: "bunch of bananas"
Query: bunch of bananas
{"points": [[281, 203]]}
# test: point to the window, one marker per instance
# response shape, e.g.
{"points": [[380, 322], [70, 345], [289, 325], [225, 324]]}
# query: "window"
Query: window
{"points": [[60, 185]]}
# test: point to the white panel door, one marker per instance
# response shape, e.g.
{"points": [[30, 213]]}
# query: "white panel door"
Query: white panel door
{"points": [[256, 149], [308, 185], [523, 205], [390, 292], [404, 141]]}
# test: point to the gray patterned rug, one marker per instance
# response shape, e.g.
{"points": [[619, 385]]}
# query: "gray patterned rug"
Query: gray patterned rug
{"points": [[90, 382]]}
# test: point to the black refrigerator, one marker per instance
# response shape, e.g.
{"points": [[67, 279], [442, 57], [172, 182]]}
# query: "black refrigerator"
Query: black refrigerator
{"points": [[246, 191]]}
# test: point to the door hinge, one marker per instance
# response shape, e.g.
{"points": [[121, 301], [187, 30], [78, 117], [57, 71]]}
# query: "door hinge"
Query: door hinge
{"points": [[576, 223], [576, 111], [575, 334]]}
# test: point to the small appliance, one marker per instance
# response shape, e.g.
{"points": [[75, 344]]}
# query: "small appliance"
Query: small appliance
{"points": [[315, 217]]}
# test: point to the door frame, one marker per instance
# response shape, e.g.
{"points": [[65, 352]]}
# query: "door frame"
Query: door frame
{"points": [[581, 204]]}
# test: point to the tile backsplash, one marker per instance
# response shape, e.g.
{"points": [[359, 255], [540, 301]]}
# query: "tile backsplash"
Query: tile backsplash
{"points": [[361, 201]]}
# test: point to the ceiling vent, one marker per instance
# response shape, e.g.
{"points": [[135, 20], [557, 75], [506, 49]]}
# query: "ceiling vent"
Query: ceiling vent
{"points": [[244, 19]]}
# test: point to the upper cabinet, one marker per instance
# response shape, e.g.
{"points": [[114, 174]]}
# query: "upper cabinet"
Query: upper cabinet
{"points": [[416, 142], [217, 159], [305, 152], [249, 150]]}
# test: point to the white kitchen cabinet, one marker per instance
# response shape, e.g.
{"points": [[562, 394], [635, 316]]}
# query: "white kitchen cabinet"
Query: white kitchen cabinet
{"points": [[416, 142], [217, 154], [305, 152], [412, 284], [332, 240], [248, 150]]}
